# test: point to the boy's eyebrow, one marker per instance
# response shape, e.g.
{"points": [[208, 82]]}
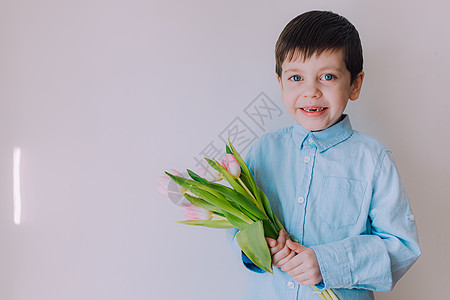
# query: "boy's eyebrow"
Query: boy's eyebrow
{"points": [[320, 69], [291, 70]]}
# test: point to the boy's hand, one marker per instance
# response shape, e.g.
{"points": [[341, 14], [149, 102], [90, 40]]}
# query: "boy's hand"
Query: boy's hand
{"points": [[279, 251], [304, 267]]}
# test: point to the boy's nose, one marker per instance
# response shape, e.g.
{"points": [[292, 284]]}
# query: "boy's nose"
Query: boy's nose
{"points": [[311, 90]]}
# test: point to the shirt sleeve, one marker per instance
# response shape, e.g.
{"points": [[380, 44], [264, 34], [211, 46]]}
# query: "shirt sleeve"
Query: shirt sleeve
{"points": [[231, 233], [378, 260]]}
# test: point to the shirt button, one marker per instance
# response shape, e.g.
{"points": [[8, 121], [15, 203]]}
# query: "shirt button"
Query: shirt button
{"points": [[301, 200], [306, 159], [311, 140], [412, 218], [291, 285]]}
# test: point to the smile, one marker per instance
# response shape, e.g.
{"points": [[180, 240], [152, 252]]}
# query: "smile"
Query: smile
{"points": [[313, 109]]}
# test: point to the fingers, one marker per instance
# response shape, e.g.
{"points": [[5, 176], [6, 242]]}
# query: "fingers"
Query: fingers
{"points": [[282, 237], [307, 257], [277, 245], [278, 249], [307, 279], [296, 246], [271, 242], [284, 253], [303, 267], [284, 260], [293, 263]]}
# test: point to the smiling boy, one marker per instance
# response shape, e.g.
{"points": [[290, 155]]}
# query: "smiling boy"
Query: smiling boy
{"points": [[336, 190], [316, 90]]}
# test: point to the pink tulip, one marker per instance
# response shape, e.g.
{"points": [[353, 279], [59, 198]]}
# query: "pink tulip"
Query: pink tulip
{"points": [[230, 163], [193, 212], [208, 172], [170, 189]]}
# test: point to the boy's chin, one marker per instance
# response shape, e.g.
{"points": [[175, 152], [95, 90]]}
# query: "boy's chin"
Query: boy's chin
{"points": [[318, 125], [313, 127], [317, 129]]}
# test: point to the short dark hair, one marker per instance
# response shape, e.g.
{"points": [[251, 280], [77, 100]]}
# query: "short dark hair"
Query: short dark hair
{"points": [[316, 31]]}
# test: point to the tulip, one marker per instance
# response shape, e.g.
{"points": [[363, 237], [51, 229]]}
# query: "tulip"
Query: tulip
{"points": [[170, 189], [193, 212], [230, 163], [209, 173]]}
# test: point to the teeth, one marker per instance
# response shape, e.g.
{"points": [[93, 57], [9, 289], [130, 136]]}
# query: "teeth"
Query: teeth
{"points": [[313, 109]]}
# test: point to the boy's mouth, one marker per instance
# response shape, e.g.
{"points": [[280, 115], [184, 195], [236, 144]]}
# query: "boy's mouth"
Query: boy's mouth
{"points": [[313, 109]]}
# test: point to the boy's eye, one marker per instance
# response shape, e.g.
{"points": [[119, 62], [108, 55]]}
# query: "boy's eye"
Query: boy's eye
{"points": [[296, 78], [327, 77]]}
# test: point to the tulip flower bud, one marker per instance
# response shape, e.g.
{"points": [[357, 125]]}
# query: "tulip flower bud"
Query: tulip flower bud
{"points": [[230, 163], [193, 212], [170, 189], [209, 173]]}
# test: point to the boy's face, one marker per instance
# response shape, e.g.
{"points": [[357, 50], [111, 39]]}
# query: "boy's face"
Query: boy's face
{"points": [[316, 91]]}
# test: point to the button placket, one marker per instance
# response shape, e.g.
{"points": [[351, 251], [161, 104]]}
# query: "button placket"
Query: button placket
{"points": [[305, 162]]}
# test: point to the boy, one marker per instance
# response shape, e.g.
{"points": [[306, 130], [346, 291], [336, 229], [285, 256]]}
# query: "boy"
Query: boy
{"points": [[337, 191]]}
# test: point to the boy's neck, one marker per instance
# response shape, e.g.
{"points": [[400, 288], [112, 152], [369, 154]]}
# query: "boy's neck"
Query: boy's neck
{"points": [[339, 120]]}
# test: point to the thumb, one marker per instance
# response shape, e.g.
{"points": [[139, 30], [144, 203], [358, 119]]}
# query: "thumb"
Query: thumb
{"points": [[298, 248]]}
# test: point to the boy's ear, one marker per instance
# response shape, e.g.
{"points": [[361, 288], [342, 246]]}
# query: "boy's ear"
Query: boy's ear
{"points": [[281, 86], [355, 88]]}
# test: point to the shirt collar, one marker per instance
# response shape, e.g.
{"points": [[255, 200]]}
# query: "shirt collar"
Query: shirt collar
{"points": [[323, 139]]}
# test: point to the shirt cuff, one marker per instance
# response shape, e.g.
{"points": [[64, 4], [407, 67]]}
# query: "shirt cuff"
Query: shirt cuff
{"points": [[334, 265], [320, 285], [250, 265]]}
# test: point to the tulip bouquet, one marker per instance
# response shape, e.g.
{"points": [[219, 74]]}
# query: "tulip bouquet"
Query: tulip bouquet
{"points": [[243, 206]]}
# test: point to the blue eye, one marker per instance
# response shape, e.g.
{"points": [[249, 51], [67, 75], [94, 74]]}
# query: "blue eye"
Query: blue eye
{"points": [[296, 78], [328, 77]]}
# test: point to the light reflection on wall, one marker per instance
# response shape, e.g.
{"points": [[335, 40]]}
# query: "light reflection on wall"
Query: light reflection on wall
{"points": [[17, 201]]}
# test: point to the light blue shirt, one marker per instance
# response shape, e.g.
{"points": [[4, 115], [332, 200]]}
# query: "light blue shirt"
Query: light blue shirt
{"points": [[337, 191]]}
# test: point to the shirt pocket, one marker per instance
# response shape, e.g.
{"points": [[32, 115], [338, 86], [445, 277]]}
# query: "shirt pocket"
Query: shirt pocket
{"points": [[340, 201]]}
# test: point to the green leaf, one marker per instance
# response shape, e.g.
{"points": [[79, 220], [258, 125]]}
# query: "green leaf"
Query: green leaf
{"points": [[270, 229], [244, 179], [196, 177], [251, 181], [273, 217], [266, 204], [201, 203], [209, 223], [253, 243], [236, 222], [209, 195], [238, 198], [228, 150]]}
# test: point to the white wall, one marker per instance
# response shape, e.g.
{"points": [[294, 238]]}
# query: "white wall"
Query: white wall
{"points": [[102, 96]]}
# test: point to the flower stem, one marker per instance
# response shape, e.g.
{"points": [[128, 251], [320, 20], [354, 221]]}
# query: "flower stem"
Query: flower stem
{"points": [[327, 296], [246, 188], [332, 294], [218, 217], [250, 193], [319, 293]]}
